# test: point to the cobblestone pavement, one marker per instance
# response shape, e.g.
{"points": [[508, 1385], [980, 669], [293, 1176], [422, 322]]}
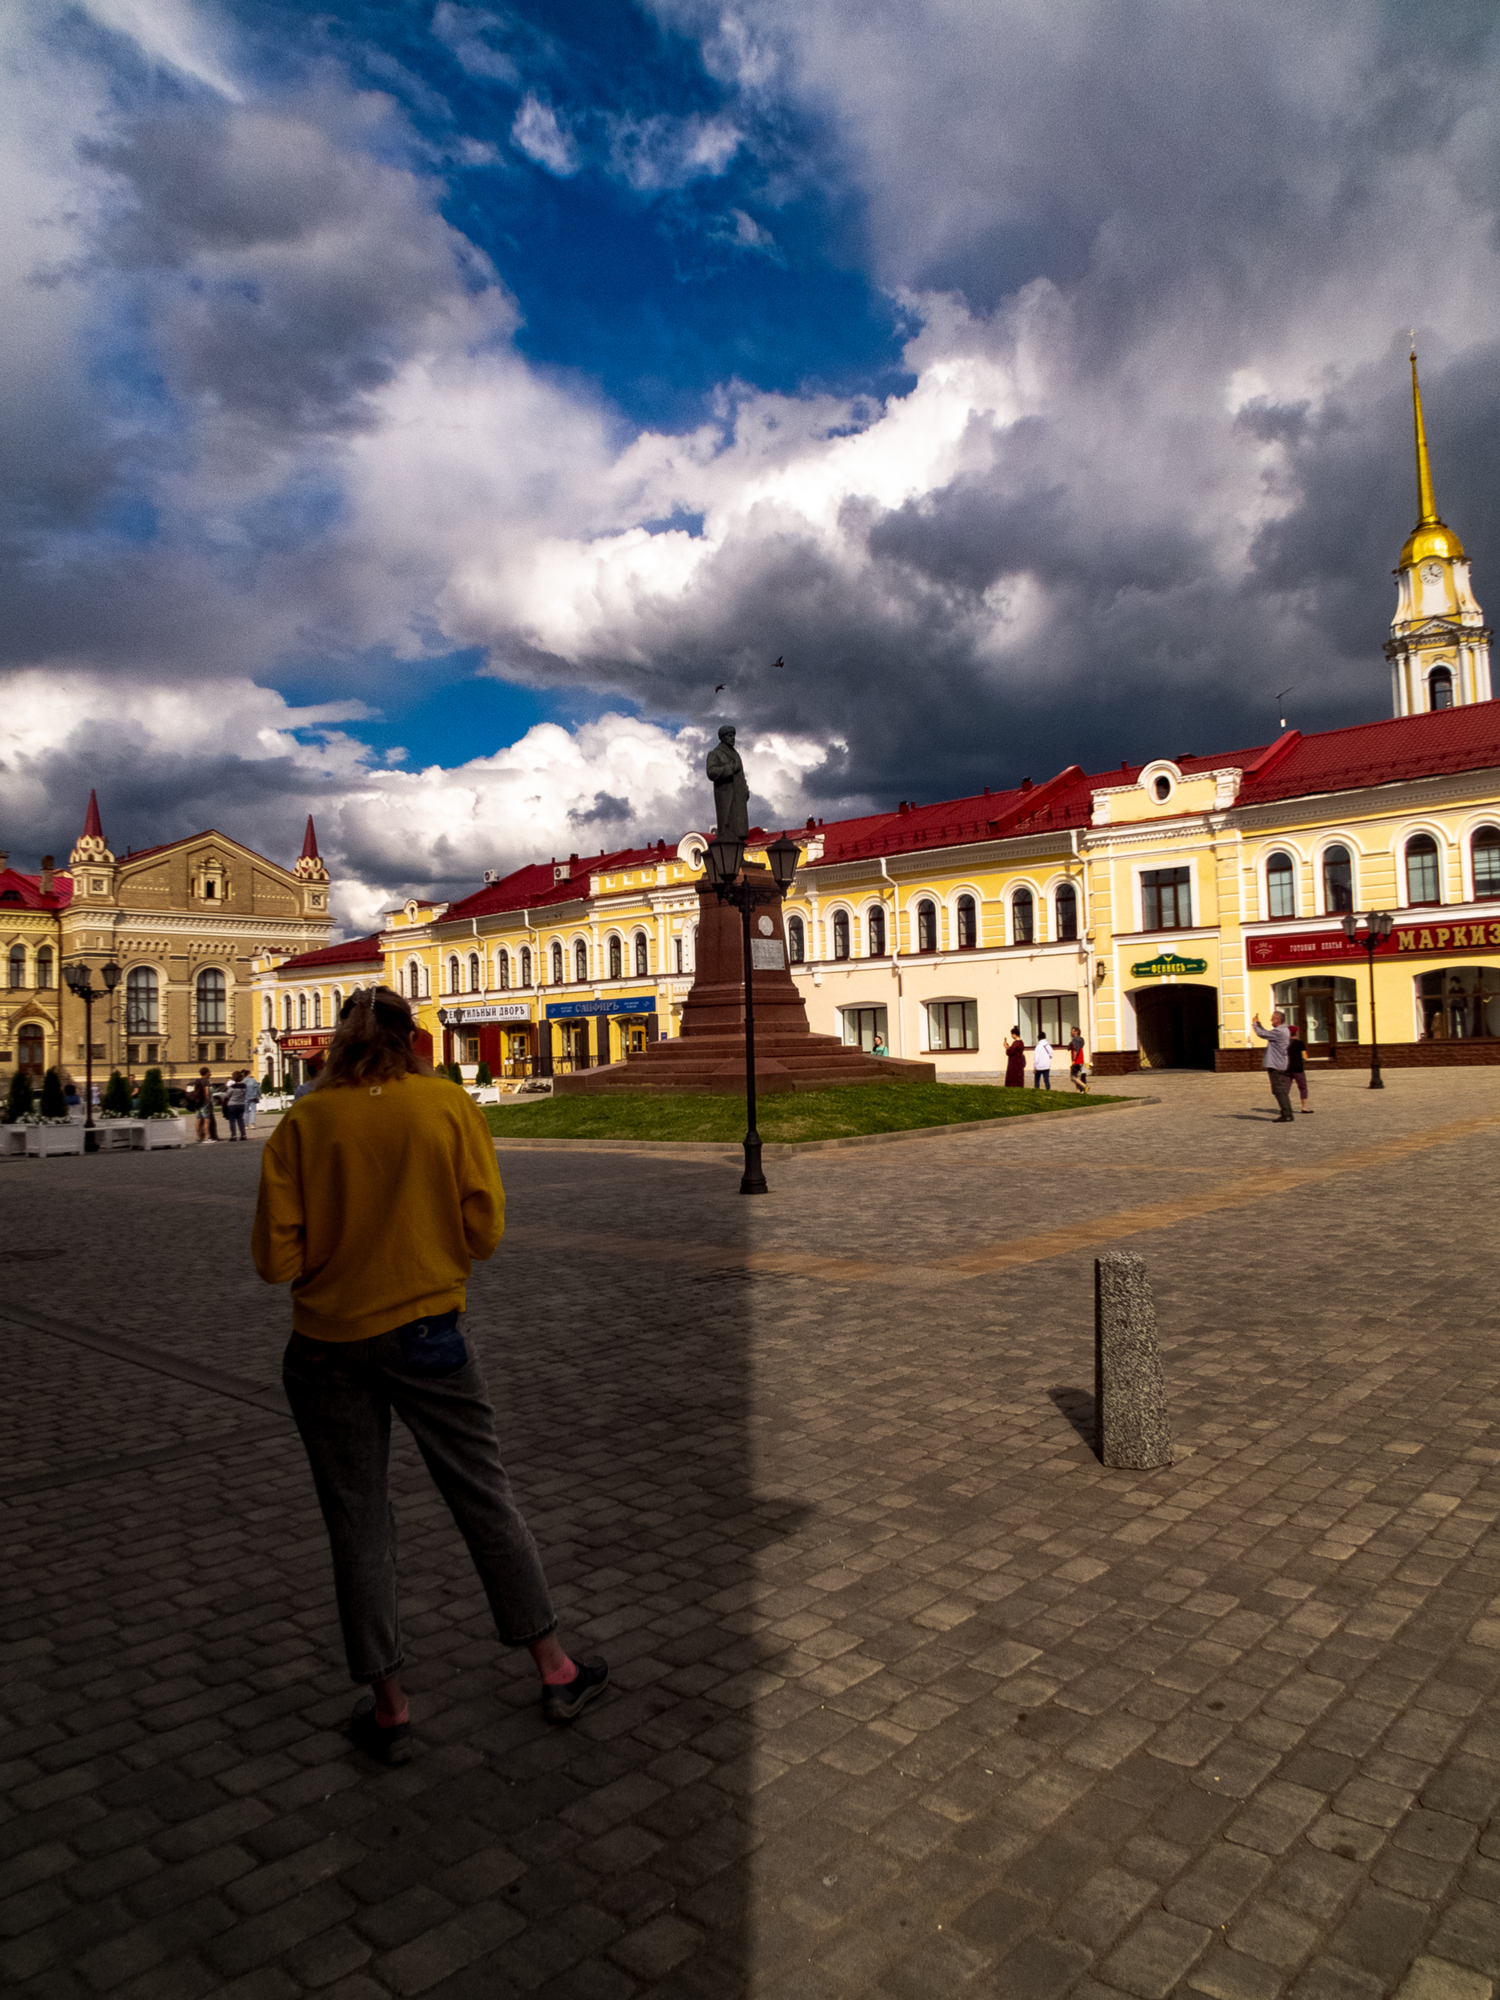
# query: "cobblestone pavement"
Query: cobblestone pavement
{"points": [[912, 1696]]}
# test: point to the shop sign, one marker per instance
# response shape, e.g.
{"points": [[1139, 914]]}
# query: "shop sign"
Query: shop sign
{"points": [[468, 1017], [576, 1010], [1166, 965], [1409, 940], [311, 1043]]}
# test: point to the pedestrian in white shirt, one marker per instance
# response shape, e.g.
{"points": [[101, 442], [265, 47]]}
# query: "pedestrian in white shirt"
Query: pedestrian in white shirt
{"points": [[1041, 1063]]}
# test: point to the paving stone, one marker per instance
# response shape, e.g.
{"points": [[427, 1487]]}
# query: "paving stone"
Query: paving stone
{"points": [[1156, 1956]]}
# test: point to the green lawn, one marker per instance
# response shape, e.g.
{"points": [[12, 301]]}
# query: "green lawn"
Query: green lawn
{"points": [[796, 1115]]}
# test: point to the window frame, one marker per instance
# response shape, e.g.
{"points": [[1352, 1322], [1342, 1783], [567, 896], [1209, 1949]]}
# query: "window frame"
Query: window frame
{"points": [[1150, 885], [966, 921], [616, 956], [1430, 853], [935, 1010], [1441, 674], [1286, 878], [141, 980], [1023, 927], [876, 940], [796, 940], [841, 935], [219, 994], [15, 969], [42, 968], [580, 959], [1330, 906], [641, 956], [475, 976], [1066, 927], [1483, 895], [927, 926]]}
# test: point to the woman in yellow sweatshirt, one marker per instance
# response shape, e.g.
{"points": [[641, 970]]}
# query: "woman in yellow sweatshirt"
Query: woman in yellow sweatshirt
{"points": [[377, 1191]]}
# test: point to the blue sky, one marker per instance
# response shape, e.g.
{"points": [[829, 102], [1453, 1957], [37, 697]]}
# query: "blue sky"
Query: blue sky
{"points": [[440, 416]]}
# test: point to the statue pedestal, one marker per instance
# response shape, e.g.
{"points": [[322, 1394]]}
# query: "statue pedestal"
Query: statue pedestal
{"points": [[708, 1056]]}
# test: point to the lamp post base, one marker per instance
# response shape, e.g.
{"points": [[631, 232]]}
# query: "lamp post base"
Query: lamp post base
{"points": [[753, 1181]]}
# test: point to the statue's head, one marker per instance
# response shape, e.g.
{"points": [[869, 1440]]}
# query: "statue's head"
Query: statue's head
{"points": [[726, 734]]}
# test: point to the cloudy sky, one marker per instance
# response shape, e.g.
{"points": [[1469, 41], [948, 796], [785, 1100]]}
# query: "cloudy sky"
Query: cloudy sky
{"points": [[440, 417]]}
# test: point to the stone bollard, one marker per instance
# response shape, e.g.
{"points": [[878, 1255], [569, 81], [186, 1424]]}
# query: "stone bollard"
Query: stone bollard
{"points": [[1130, 1399]]}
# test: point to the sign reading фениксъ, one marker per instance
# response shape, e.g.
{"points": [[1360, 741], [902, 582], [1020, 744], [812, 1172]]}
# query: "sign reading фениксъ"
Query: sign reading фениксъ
{"points": [[1166, 964]]}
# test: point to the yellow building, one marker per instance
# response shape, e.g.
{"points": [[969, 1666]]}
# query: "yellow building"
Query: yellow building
{"points": [[561, 965], [31, 908], [184, 922]]}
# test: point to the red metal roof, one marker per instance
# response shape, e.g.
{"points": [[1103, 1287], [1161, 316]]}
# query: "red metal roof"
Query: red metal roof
{"points": [[532, 887], [353, 951], [25, 891]]}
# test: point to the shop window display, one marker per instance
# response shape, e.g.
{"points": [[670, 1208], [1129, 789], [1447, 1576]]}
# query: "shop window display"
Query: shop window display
{"points": [[1460, 1003]]}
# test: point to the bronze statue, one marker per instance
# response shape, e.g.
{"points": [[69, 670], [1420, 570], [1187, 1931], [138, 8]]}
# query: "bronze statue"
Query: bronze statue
{"points": [[731, 791]]}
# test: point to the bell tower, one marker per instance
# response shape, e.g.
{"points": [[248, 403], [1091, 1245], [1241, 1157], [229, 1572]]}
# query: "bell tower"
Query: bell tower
{"points": [[1439, 648]]}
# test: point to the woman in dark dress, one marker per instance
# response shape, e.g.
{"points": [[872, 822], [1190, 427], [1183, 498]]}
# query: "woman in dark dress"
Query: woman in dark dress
{"points": [[1015, 1060], [1296, 1064]]}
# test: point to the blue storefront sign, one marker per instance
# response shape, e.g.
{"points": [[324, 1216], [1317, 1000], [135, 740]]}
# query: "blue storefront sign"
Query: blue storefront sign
{"points": [[573, 1010]]}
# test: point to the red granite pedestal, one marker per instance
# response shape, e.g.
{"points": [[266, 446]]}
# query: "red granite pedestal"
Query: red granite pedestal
{"points": [[709, 1054]]}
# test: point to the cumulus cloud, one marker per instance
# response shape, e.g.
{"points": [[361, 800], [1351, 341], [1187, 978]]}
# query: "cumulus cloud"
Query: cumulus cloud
{"points": [[263, 404]]}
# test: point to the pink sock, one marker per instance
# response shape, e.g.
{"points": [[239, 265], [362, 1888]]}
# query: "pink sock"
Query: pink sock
{"points": [[560, 1676]]}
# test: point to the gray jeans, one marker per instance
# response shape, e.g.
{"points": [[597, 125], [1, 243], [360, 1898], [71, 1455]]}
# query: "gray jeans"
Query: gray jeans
{"points": [[342, 1394], [1281, 1089]]}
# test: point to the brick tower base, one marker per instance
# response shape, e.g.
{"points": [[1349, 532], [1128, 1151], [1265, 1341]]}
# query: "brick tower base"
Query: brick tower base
{"points": [[709, 1055]]}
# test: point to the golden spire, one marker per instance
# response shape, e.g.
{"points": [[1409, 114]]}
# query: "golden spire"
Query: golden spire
{"points": [[1426, 511], [1430, 537]]}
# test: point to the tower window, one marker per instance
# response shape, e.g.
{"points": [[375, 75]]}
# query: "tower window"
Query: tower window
{"points": [[1440, 688], [1338, 881], [1422, 869], [1280, 887]]}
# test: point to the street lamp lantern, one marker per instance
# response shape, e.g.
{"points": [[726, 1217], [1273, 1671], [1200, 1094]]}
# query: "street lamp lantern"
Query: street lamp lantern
{"points": [[783, 855], [1350, 925], [110, 973], [725, 858], [1378, 927]]}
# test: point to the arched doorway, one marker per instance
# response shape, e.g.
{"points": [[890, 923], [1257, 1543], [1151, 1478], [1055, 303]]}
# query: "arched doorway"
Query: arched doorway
{"points": [[29, 1051], [1178, 1026]]}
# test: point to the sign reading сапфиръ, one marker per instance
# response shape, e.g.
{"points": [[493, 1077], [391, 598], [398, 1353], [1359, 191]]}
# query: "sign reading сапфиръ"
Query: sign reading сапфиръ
{"points": [[1167, 964], [1409, 940], [572, 1010]]}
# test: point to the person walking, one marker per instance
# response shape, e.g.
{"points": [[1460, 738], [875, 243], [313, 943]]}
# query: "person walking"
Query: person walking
{"points": [[1015, 1060], [234, 1105], [1276, 1038], [252, 1099], [1041, 1062], [1077, 1075], [378, 1190], [201, 1103], [1296, 1065]]}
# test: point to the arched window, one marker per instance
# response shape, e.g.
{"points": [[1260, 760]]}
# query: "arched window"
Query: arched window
{"points": [[474, 979], [796, 940], [453, 985], [17, 966], [968, 924], [526, 965], [926, 926], [1440, 688], [413, 980], [1281, 890], [580, 962], [1065, 902], [841, 933], [44, 966], [141, 1015], [875, 924], [1422, 869], [1486, 853], [502, 971], [642, 956], [211, 1001], [1338, 880], [557, 963], [317, 1019], [1022, 917], [286, 1011], [338, 1007], [616, 959], [270, 1016], [301, 1012]]}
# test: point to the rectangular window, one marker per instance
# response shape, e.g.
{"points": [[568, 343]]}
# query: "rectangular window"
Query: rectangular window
{"points": [[132, 1055], [1054, 1015], [1166, 900], [953, 1024], [863, 1027]]}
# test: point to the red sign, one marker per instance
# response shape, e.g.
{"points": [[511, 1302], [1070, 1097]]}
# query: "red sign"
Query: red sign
{"points": [[1419, 939], [311, 1043]]}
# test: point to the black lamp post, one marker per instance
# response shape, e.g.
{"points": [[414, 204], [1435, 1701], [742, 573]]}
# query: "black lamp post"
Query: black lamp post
{"points": [[77, 976], [1378, 927], [724, 864]]}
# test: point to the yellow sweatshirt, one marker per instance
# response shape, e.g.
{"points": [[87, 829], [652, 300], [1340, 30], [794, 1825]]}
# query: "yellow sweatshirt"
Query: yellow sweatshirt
{"points": [[374, 1201]]}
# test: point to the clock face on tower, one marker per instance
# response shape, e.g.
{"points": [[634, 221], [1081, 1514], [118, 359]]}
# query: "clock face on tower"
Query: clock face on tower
{"points": [[1432, 571]]}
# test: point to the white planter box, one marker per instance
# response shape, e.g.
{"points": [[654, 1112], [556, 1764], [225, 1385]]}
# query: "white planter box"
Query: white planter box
{"points": [[162, 1132], [42, 1141], [13, 1141], [118, 1135], [485, 1093]]}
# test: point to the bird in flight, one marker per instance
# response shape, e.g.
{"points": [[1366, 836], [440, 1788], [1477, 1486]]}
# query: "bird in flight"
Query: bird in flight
{"points": [[778, 661], [720, 688]]}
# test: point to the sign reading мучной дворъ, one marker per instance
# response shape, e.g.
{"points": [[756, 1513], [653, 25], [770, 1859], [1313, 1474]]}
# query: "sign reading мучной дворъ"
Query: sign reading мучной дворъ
{"points": [[1167, 963], [1407, 940], [573, 1010]]}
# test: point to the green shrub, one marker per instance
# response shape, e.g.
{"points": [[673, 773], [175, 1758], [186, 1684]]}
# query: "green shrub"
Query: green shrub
{"points": [[453, 1073], [116, 1097], [483, 1075], [19, 1098], [268, 1084], [153, 1101], [53, 1104]]}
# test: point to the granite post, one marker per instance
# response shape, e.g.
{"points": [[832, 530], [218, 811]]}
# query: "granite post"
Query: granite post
{"points": [[1130, 1399]]}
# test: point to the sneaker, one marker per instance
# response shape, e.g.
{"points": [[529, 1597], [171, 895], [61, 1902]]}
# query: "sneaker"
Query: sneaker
{"points": [[567, 1701], [387, 1743]]}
